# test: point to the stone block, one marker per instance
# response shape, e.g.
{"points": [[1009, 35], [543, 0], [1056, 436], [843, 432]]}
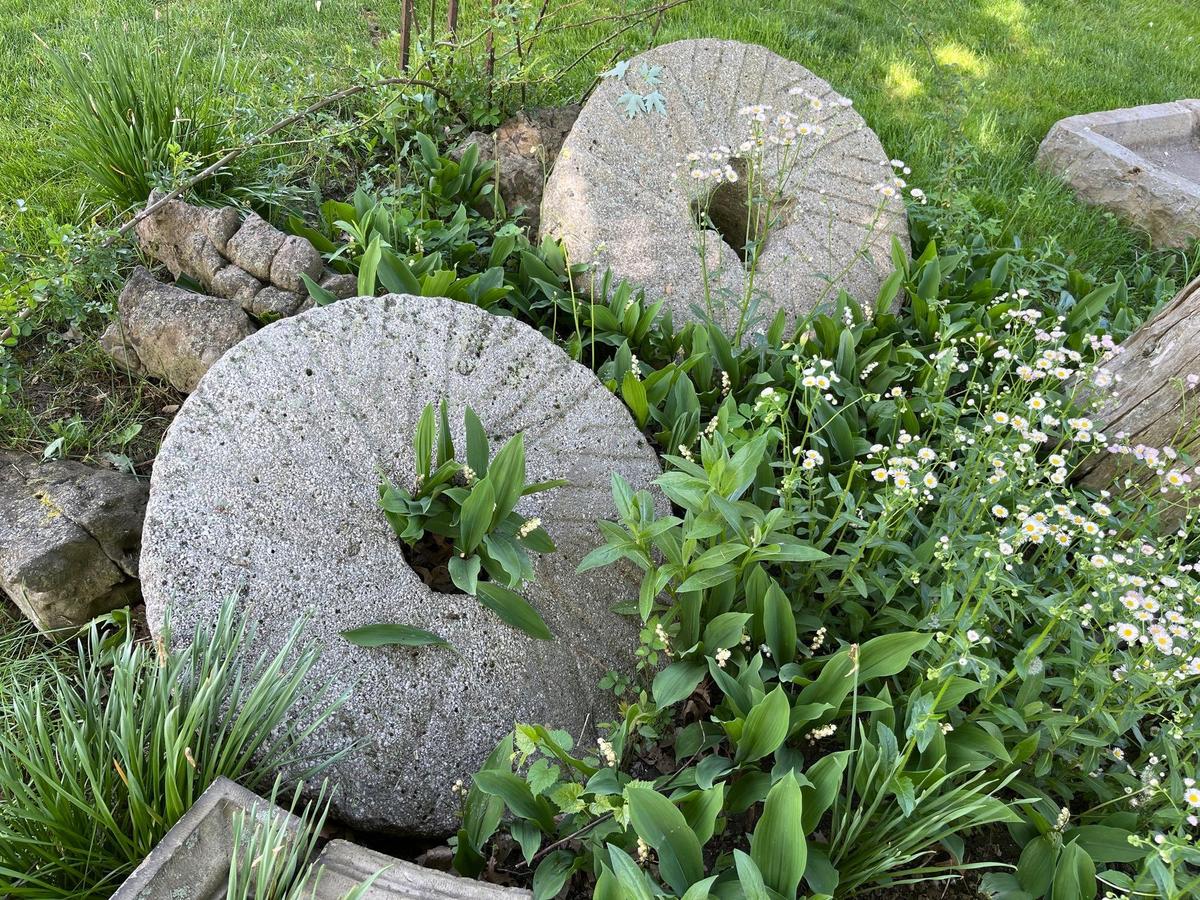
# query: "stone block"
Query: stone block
{"points": [[267, 487], [1141, 163]]}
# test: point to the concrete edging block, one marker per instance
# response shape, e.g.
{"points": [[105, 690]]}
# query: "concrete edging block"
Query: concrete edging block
{"points": [[1141, 163], [342, 866], [191, 862]]}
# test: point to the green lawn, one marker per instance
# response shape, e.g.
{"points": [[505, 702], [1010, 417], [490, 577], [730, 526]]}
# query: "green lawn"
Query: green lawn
{"points": [[962, 90]]}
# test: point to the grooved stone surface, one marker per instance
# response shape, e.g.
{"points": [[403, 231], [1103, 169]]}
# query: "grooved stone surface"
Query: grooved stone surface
{"points": [[619, 199], [266, 485]]}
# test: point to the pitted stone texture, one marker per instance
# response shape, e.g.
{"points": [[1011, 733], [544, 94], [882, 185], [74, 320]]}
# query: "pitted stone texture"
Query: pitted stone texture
{"points": [[69, 539], [1141, 163], [620, 199], [267, 485], [172, 334]]}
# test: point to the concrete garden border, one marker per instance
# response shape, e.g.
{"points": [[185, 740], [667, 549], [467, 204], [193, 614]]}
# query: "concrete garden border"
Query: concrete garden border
{"points": [[1142, 163]]}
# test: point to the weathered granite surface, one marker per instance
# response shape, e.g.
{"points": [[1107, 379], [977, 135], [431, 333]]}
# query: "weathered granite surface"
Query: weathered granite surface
{"points": [[620, 199], [69, 539], [1141, 163], [171, 333], [266, 485]]}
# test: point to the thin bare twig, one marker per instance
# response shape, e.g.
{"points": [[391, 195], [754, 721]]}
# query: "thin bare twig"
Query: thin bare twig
{"points": [[611, 37]]}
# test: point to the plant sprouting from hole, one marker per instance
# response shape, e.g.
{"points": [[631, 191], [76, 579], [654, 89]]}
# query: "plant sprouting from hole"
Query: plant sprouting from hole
{"points": [[461, 526]]}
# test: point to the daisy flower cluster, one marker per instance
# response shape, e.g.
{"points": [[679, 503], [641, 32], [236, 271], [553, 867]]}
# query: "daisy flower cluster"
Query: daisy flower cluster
{"points": [[908, 466], [895, 182]]}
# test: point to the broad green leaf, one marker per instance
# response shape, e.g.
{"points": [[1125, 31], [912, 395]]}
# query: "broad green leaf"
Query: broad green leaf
{"points": [[778, 847], [1075, 875], [677, 681], [464, 573], [423, 442], [725, 631], [481, 814], [1105, 844], [515, 793], [476, 516], [507, 473], [551, 874], [825, 778], [477, 443], [634, 883], [368, 266], [765, 728], [700, 890], [779, 625], [819, 873], [701, 809], [320, 295], [889, 654], [385, 634], [528, 836], [707, 579], [633, 392], [1035, 868], [396, 276], [749, 877], [660, 824], [513, 609], [445, 444]]}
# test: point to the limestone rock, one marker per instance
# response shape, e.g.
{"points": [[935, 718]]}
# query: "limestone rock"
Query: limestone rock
{"points": [[266, 487], [621, 198], [1141, 163], [340, 285], [188, 239], [296, 256], [271, 303], [172, 334], [254, 246], [69, 539], [523, 149], [233, 283], [232, 258]]}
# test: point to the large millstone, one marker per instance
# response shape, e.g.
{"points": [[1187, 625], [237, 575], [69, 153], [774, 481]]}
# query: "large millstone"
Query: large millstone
{"points": [[620, 200], [266, 486]]}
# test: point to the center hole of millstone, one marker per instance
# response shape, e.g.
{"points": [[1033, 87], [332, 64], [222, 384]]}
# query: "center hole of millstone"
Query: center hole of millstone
{"points": [[429, 558], [734, 215], [727, 211]]}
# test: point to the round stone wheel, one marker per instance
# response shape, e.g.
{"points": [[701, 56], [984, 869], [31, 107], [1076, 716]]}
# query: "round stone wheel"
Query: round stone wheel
{"points": [[266, 488], [621, 198]]}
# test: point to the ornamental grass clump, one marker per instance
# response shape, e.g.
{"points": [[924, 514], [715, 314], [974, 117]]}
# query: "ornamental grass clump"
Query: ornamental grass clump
{"points": [[141, 110], [101, 761]]}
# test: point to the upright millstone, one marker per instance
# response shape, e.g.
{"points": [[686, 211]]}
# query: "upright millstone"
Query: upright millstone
{"points": [[622, 198], [267, 488]]}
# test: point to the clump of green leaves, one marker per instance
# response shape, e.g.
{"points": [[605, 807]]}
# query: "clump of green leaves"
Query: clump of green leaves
{"points": [[463, 515], [274, 851], [101, 760]]}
